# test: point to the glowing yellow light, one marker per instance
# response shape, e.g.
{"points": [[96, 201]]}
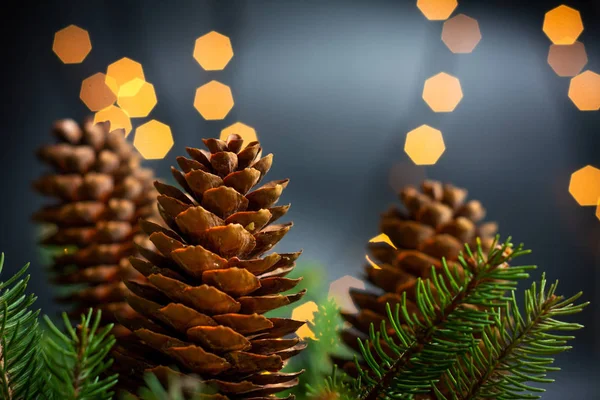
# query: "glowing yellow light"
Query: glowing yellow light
{"points": [[567, 60], [247, 133], [213, 51], [95, 94], [213, 100], [372, 262], [72, 44], [598, 209], [382, 238], [461, 34], [305, 312], [153, 140], [117, 117], [424, 145], [437, 10], [123, 71], [338, 290], [563, 25], [585, 186], [442, 92], [141, 102], [584, 91]]}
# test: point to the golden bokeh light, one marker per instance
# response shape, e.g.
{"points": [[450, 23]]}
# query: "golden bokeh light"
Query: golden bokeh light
{"points": [[563, 25], [598, 209], [584, 91], [153, 140], [338, 290], [116, 117], [585, 186], [437, 10], [442, 92], [247, 133], [567, 59], [72, 44], [373, 264], [461, 34], [424, 145], [305, 312], [213, 51], [213, 100], [382, 238], [138, 103], [95, 94], [123, 71]]}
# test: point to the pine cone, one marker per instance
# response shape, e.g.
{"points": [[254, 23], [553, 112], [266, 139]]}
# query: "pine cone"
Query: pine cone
{"points": [[101, 191], [201, 304], [436, 224]]}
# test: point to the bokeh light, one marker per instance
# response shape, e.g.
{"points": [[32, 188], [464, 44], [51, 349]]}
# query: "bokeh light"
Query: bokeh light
{"points": [[95, 94], [305, 312], [116, 117], [122, 72], [598, 210], [382, 238], [585, 186], [424, 145], [437, 10], [461, 34], [153, 140], [442, 92], [213, 51], [137, 97], [213, 100], [247, 133], [339, 291], [567, 59], [563, 25], [373, 264], [584, 91], [72, 44]]}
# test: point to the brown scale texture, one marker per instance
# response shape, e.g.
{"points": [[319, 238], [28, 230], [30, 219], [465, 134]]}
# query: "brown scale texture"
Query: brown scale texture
{"points": [[201, 303], [99, 192], [435, 222]]}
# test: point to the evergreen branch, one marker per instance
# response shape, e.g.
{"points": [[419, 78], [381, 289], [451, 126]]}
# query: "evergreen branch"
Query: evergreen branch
{"points": [[77, 359], [178, 387], [516, 349], [20, 365], [336, 386]]}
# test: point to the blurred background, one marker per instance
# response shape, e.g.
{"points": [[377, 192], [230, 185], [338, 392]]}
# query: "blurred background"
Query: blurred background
{"points": [[332, 88]]}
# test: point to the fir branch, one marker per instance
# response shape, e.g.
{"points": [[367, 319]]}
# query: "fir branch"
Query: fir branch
{"points": [[20, 376], [77, 359], [516, 350], [335, 387], [178, 387]]}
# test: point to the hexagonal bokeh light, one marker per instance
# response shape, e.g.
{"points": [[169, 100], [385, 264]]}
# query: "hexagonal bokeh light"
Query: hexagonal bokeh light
{"points": [[137, 97], [213, 100], [305, 312], [584, 91], [584, 186], [437, 10], [95, 94], [424, 145], [123, 71], [72, 44], [116, 117], [213, 51], [563, 25], [153, 140], [339, 288], [442, 92], [461, 34], [247, 133], [567, 59], [382, 238]]}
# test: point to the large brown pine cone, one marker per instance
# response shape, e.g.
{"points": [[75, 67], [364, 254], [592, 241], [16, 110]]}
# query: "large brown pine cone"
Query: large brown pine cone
{"points": [[200, 306], [100, 191]]}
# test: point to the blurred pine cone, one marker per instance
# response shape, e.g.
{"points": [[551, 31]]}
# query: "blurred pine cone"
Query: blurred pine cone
{"points": [[200, 306], [100, 191]]}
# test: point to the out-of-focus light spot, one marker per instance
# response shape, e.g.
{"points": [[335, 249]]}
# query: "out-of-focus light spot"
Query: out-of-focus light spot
{"points": [[117, 118], [123, 71], [563, 25], [153, 140], [461, 34], [585, 186], [598, 209], [213, 100], [95, 94], [424, 145], [373, 264], [305, 312], [213, 51], [567, 59], [442, 92], [338, 290], [437, 10], [137, 103], [247, 133], [584, 91], [72, 44], [382, 238], [406, 173]]}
